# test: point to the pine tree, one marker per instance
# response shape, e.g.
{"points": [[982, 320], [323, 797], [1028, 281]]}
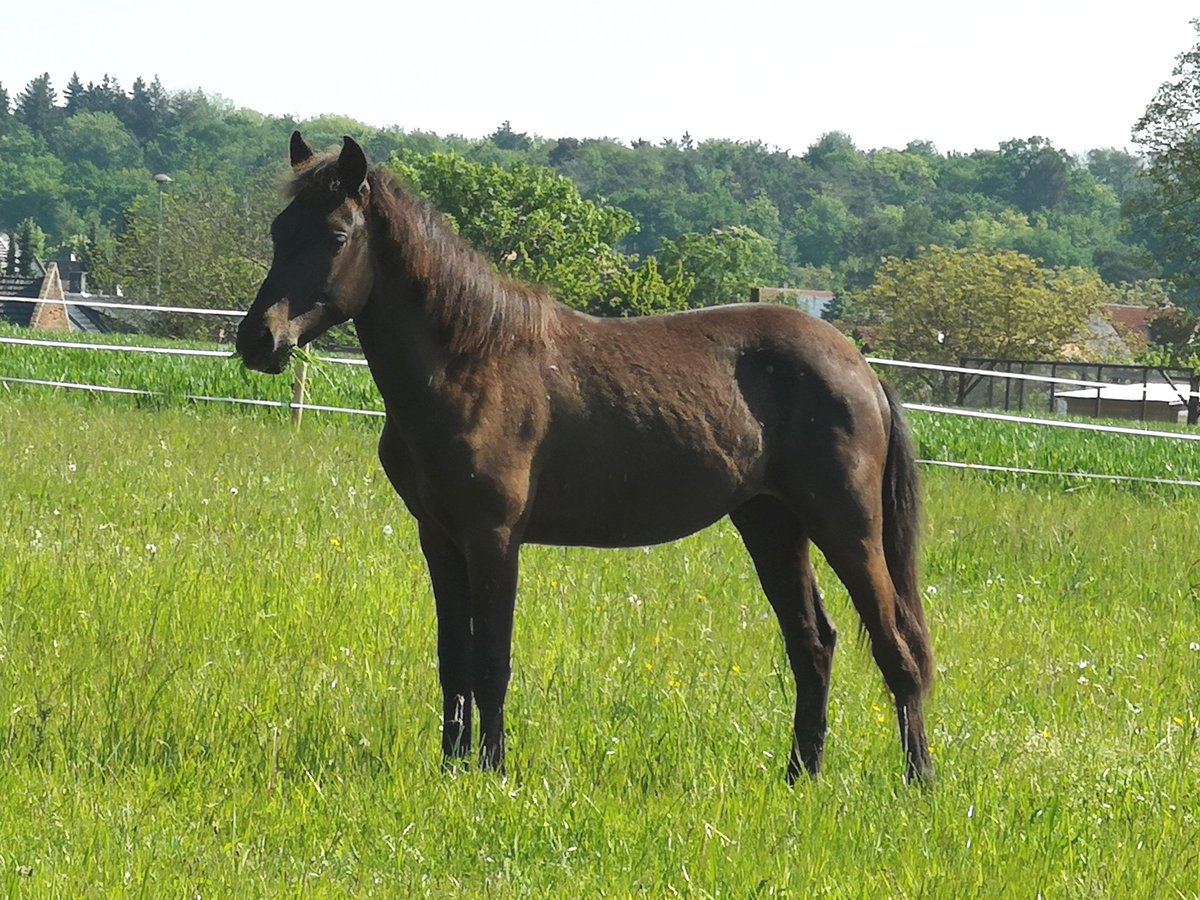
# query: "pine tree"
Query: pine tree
{"points": [[141, 111], [31, 242], [35, 106], [74, 95], [5, 110], [160, 104], [107, 96]]}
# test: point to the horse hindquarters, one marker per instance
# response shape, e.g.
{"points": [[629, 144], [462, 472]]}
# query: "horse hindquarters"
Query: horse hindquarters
{"points": [[860, 508]]}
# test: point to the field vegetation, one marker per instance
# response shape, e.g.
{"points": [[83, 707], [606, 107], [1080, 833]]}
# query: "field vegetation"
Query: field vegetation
{"points": [[217, 677], [171, 380], [217, 663]]}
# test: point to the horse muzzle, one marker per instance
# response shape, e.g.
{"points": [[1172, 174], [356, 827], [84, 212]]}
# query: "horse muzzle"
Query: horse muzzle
{"points": [[260, 349]]}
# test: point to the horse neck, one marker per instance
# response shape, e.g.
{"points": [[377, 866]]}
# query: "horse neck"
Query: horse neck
{"points": [[406, 347], [435, 301], [400, 344]]}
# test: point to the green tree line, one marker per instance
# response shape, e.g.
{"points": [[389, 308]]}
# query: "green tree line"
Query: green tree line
{"points": [[614, 228]]}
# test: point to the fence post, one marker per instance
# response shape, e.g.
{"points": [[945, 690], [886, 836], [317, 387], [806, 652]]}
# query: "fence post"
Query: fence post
{"points": [[298, 391]]}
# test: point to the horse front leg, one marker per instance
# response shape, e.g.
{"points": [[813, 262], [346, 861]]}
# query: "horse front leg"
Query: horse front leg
{"points": [[451, 592], [492, 563]]}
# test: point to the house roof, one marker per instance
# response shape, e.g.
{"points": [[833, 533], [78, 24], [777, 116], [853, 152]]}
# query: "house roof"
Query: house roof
{"points": [[19, 285], [87, 318], [16, 313], [1130, 319]]}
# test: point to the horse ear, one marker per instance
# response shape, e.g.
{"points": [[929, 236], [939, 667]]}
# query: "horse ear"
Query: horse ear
{"points": [[352, 164], [301, 152]]}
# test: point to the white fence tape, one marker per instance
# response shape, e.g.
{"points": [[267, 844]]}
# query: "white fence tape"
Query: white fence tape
{"points": [[920, 407], [127, 348], [1053, 423], [1015, 376], [241, 401], [163, 351], [139, 307], [354, 361], [1018, 471]]}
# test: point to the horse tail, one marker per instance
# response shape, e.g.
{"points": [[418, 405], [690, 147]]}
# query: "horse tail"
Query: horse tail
{"points": [[901, 537]]}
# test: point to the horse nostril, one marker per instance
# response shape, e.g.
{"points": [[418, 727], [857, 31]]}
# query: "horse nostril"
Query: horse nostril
{"points": [[255, 347]]}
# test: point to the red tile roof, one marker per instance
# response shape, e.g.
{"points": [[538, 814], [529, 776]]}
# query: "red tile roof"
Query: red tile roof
{"points": [[1130, 319]]}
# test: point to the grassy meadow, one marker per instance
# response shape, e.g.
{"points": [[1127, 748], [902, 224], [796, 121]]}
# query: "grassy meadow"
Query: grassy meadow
{"points": [[172, 379], [217, 678]]}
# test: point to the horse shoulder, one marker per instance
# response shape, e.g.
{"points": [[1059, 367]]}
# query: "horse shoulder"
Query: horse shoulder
{"points": [[398, 464]]}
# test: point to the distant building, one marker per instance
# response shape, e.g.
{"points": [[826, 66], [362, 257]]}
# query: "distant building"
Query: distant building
{"points": [[1132, 323], [1153, 402], [815, 303], [1115, 331], [40, 301]]}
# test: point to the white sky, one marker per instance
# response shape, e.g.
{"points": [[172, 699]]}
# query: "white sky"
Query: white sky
{"points": [[964, 75]]}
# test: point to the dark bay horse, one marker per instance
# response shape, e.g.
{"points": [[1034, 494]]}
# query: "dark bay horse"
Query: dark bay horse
{"points": [[512, 418]]}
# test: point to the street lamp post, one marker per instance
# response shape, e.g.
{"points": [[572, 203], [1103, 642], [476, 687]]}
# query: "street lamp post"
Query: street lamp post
{"points": [[162, 181]]}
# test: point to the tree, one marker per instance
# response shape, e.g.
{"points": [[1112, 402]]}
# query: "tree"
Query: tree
{"points": [[35, 106], [823, 231], [31, 181], [563, 151], [1119, 263], [1119, 169], [507, 139], [214, 245], [103, 169], [73, 94], [1041, 174], [144, 110], [1172, 333], [726, 264], [5, 110], [1169, 131], [945, 304], [532, 223], [108, 96], [31, 245]]}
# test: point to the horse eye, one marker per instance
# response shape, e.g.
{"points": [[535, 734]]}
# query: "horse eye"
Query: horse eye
{"points": [[340, 238]]}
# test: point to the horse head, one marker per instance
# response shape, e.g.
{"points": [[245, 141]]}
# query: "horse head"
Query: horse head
{"points": [[321, 272]]}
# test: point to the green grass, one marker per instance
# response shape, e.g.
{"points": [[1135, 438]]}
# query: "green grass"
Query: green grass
{"points": [[217, 678], [1032, 446], [171, 379]]}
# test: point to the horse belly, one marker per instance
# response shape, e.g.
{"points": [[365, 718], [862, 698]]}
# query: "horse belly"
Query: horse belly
{"points": [[633, 496]]}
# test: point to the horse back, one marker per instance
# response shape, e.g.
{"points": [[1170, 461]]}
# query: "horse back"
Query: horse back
{"points": [[660, 426]]}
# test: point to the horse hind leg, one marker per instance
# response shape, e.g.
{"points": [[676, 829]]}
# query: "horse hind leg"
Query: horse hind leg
{"points": [[896, 647], [780, 551]]}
